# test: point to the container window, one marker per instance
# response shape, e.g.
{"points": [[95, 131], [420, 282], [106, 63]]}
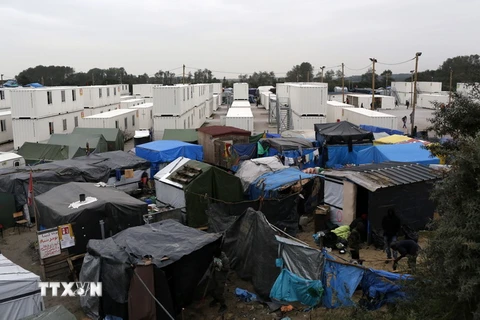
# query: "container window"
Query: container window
{"points": [[184, 94], [63, 95], [50, 128], [115, 91], [125, 120], [133, 120], [2, 95], [75, 121], [151, 114], [49, 97], [64, 124], [16, 164], [100, 92], [74, 95], [116, 124], [108, 92], [3, 125]]}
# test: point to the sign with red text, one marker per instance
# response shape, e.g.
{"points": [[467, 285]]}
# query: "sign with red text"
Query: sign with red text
{"points": [[49, 244]]}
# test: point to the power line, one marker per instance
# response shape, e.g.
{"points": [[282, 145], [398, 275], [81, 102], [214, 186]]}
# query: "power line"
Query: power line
{"points": [[358, 69], [396, 64]]}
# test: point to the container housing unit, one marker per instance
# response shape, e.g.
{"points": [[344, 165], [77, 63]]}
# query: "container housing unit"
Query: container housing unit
{"points": [[125, 104], [240, 91], [99, 96], [123, 119], [306, 122], [144, 90], [335, 110], [144, 115], [309, 99], [359, 116], [241, 118], [45, 102], [179, 99], [5, 99], [428, 100], [240, 104], [91, 111], [6, 131], [40, 130]]}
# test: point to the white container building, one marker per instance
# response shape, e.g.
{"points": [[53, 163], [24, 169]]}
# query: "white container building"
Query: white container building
{"points": [[429, 87], [10, 160], [335, 110], [306, 122], [240, 118], [125, 104], [216, 97], [39, 130], [123, 98], [6, 131], [309, 99], [99, 96], [184, 121], [123, 88], [144, 90], [45, 102], [240, 91], [91, 111], [265, 99], [5, 98], [144, 115], [179, 99], [425, 100], [123, 119], [217, 88], [240, 104], [359, 116]]}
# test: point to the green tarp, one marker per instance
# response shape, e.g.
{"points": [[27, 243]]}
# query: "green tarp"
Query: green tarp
{"points": [[113, 136], [96, 142], [213, 183], [44, 152], [254, 139], [7, 203], [185, 135]]}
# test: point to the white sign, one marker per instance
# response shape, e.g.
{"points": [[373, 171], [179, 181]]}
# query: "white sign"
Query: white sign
{"points": [[49, 244], [71, 289]]}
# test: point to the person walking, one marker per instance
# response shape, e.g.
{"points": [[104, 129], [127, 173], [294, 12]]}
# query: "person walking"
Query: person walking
{"points": [[407, 104], [396, 103], [404, 119], [409, 249], [221, 266], [355, 240], [361, 106], [391, 226]]}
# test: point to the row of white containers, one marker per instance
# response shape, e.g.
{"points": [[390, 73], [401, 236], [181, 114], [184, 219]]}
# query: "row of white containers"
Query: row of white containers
{"points": [[307, 99], [144, 115], [39, 130], [265, 99], [240, 91], [422, 86], [179, 99], [125, 104], [359, 116], [6, 131], [5, 99], [359, 100], [335, 110], [428, 101], [240, 118], [123, 119]]}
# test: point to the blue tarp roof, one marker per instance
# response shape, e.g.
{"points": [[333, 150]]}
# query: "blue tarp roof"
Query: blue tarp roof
{"points": [[162, 151], [380, 129], [34, 85], [271, 181], [409, 152]]}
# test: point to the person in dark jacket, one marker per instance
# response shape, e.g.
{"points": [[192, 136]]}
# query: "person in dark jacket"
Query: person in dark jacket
{"points": [[391, 226], [355, 240], [409, 249], [221, 266]]}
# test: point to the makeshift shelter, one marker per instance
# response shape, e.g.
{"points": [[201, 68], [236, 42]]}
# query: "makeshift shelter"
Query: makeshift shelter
{"points": [[61, 205], [250, 170], [19, 291], [113, 136], [305, 134], [179, 258], [410, 152], [293, 151], [185, 135], [373, 189], [341, 142], [375, 129], [216, 142], [190, 184], [35, 153], [393, 139], [162, 152], [53, 313], [96, 142]]}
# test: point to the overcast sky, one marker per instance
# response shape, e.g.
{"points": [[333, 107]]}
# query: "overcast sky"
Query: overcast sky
{"points": [[233, 36]]}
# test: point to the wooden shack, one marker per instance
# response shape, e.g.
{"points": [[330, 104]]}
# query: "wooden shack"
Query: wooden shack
{"points": [[216, 142]]}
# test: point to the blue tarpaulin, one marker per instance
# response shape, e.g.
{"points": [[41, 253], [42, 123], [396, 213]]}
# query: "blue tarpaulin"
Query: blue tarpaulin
{"points": [[245, 151], [339, 155], [290, 288], [272, 181], [382, 287], [273, 135], [380, 129], [340, 282], [165, 151], [409, 152], [34, 85]]}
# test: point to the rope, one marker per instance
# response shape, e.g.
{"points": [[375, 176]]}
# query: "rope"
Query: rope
{"points": [[151, 294], [206, 197]]}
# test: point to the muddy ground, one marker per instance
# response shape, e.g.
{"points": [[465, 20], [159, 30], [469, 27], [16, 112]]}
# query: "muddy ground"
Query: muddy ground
{"points": [[19, 249]]}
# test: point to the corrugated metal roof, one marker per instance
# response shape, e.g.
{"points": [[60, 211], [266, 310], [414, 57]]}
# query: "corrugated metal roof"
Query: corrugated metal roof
{"points": [[385, 175], [216, 131]]}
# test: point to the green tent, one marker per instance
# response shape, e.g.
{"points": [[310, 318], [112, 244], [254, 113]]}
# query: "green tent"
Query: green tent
{"points": [[96, 142], [44, 152], [185, 135], [113, 136], [7, 203], [202, 183]]}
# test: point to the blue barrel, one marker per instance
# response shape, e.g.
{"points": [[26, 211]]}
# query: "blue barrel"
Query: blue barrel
{"points": [[118, 174]]}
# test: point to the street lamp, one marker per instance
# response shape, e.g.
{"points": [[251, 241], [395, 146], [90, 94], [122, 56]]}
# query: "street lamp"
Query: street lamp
{"points": [[323, 67], [418, 54], [372, 107]]}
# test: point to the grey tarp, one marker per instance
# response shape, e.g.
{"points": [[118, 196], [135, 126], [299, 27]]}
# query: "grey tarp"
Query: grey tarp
{"points": [[189, 253], [283, 144], [118, 160], [252, 248], [300, 259], [250, 170], [48, 176], [118, 210]]}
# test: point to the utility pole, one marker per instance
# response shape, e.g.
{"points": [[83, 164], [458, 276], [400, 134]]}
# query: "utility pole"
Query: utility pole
{"points": [[411, 87], [386, 82], [373, 83], [343, 83], [183, 79], [1, 84], [322, 72], [418, 54], [449, 96]]}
